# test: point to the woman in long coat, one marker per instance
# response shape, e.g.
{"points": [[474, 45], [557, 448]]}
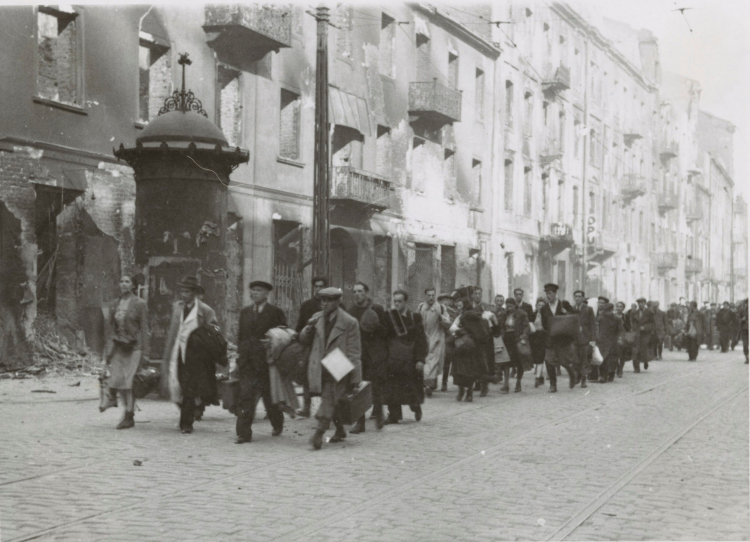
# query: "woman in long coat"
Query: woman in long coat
{"points": [[127, 344], [643, 323], [469, 363], [626, 350], [538, 341], [515, 330], [608, 339], [695, 330]]}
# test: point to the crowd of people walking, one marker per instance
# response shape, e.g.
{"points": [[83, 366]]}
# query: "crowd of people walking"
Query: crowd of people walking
{"points": [[405, 355]]}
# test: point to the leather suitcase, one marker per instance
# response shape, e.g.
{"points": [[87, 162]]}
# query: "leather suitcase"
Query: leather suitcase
{"points": [[229, 391], [564, 326], [354, 405]]}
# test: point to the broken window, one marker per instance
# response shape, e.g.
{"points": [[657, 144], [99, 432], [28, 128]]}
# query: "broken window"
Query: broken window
{"points": [[449, 172], [453, 70], [476, 177], [561, 130], [289, 125], [155, 76], [347, 147], [561, 200], [479, 94], [384, 152], [508, 185], [447, 268], [381, 287], [529, 118], [387, 45], [527, 190], [229, 108], [424, 73], [59, 55]]}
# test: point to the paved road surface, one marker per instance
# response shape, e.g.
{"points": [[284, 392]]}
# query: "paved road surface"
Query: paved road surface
{"points": [[658, 455]]}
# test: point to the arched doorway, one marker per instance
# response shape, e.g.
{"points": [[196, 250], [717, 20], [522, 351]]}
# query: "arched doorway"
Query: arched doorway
{"points": [[342, 262]]}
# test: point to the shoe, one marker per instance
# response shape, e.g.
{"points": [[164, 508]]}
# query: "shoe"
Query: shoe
{"points": [[637, 370], [338, 436], [316, 441], [277, 432], [583, 382], [304, 412], [602, 380], [187, 430], [460, 396], [518, 387], [469, 398], [127, 422], [444, 387], [418, 412], [619, 373], [611, 378], [380, 422], [552, 388], [572, 380], [645, 365], [538, 381], [428, 391], [243, 440], [505, 388], [485, 389], [390, 421], [358, 428]]}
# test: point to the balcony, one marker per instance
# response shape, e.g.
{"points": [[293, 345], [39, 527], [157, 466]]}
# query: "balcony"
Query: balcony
{"points": [[693, 214], [556, 82], [668, 201], [551, 151], [665, 260], [360, 190], [668, 151], [631, 134], [604, 247], [560, 238], [247, 32], [435, 102], [693, 266], [633, 186]]}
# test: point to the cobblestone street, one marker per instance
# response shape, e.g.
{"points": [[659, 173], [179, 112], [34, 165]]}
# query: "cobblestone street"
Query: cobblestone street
{"points": [[657, 455]]}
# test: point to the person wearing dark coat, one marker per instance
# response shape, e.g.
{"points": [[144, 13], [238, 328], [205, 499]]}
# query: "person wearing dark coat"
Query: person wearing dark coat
{"points": [[469, 363], [407, 349], [515, 331], [373, 335], [561, 351], [726, 321], [608, 341], [252, 365], [660, 330], [450, 344], [642, 322], [525, 307], [197, 375], [586, 336], [538, 341], [306, 311], [626, 351], [695, 327], [743, 325]]}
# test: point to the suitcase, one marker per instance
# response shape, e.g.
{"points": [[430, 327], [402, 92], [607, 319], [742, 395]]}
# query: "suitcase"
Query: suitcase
{"points": [[354, 405], [229, 391], [566, 326]]}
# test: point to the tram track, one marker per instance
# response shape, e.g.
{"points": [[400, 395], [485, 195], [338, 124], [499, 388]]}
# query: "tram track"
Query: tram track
{"points": [[307, 530]]}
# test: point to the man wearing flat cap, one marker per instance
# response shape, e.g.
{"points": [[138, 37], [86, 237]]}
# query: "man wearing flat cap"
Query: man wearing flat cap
{"points": [[252, 365], [326, 331], [561, 351], [643, 323], [373, 331], [188, 314]]}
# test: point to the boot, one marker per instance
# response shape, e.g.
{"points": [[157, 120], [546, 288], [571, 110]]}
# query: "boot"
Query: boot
{"points": [[506, 387], [339, 435], [538, 381], [485, 389], [428, 391], [573, 380], [583, 382], [469, 395], [444, 387], [518, 386], [316, 441], [304, 412], [552, 387], [602, 380], [417, 412], [611, 377], [127, 422], [359, 427], [380, 420], [645, 365], [460, 396]]}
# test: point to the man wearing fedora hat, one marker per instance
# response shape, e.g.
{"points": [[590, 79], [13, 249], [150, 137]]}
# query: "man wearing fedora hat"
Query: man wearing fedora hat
{"points": [[188, 314], [252, 364]]}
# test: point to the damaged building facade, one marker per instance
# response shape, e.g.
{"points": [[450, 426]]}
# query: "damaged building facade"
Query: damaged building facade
{"points": [[549, 148]]}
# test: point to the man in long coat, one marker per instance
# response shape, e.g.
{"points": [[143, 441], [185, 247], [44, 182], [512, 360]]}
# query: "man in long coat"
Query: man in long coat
{"points": [[188, 314], [694, 330], [609, 332], [660, 329], [586, 337], [252, 363], [726, 321], [328, 330], [561, 351], [642, 322], [436, 320], [373, 331], [306, 310]]}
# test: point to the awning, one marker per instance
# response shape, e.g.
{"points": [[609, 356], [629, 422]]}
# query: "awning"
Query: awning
{"points": [[348, 110]]}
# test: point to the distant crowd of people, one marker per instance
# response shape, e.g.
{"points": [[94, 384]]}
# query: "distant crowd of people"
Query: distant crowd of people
{"points": [[405, 355]]}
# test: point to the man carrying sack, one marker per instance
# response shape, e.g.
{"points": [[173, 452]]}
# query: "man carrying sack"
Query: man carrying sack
{"points": [[329, 330], [561, 324]]}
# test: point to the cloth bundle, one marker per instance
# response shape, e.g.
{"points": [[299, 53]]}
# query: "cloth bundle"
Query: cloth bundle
{"points": [[282, 388]]}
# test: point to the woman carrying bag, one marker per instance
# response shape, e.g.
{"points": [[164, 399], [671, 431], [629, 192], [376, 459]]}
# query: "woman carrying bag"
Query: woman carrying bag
{"points": [[127, 345], [515, 331], [469, 364]]}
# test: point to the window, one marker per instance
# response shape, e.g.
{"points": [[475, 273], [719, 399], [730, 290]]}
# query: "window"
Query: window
{"points": [[387, 44], [289, 125], [229, 108], [58, 55], [641, 230], [476, 178], [447, 268], [510, 269], [453, 70], [449, 171], [529, 117], [545, 113], [593, 147], [561, 200], [346, 148], [527, 190], [424, 72], [155, 77], [577, 134], [383, 150], [509, 103], [576, 210], [508, 185], [561, 130], [479, 94], [344, 32]]}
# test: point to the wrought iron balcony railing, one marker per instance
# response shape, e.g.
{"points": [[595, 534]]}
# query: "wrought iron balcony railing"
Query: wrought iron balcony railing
{"points": [[249, 29], [668, 151], [558, 81], [559, 238], [351, 184], [435, 102], [633, 186]]}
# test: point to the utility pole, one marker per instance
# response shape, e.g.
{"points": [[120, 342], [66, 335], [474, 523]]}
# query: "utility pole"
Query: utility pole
{"points": [[321, 191]]}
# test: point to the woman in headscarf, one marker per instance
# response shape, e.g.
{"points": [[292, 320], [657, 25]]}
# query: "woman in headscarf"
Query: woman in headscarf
{"points": [[127, 344], [469, 364], [538, 340], [515, 330]]}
